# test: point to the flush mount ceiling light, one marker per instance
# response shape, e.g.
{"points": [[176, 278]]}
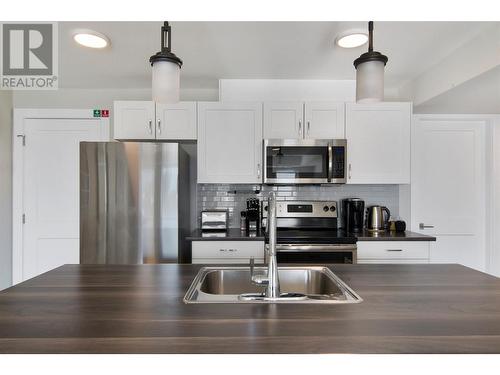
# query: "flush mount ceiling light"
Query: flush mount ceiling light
{"points": [[91, 39], [351, 38], [166, 68], [370, 72]]}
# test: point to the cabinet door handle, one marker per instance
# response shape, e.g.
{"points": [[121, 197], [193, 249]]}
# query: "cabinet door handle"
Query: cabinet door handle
{"points": [[258, 170], [159, 126], [350, 171], [228, 250], [394, 249], [300, 127], [423, 226], [150, 125], [308, 126]]}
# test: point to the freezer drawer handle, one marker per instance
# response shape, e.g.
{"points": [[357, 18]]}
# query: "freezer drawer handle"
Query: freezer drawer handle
{"points": [[394, 249]]}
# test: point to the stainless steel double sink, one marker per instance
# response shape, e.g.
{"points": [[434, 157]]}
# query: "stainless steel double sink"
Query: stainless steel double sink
{"points": [[303, 285]]}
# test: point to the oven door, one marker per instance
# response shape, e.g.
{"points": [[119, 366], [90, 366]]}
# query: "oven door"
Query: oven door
{"points": [[316, 254], [294, 161]]}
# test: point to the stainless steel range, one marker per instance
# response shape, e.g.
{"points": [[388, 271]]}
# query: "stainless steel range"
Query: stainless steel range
{"points": [[307, 233]]}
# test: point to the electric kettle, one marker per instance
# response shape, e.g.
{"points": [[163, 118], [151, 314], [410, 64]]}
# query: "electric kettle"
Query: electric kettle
{"points": [[375, 220]]}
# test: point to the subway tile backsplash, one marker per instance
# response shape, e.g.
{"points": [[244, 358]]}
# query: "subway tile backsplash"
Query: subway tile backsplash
{"points": [[223, 196]]}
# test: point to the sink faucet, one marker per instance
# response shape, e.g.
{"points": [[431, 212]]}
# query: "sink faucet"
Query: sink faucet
{"points": [[272, 280]]}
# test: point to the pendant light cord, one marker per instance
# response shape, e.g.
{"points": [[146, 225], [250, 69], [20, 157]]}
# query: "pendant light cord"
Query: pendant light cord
{"points": [[165, 31], [370, 36]]}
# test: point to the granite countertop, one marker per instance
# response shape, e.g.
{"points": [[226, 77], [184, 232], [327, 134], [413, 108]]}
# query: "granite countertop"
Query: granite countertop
{"points": [[232, 234], [406, 308], [235, 234], [393, 236]]}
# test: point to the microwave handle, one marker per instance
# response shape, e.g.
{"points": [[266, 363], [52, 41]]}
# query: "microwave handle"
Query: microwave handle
{"points": [[330, 163]]}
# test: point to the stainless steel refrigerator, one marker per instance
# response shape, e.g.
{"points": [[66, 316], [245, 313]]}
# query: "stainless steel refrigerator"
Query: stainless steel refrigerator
{"points": [[134, 203]]}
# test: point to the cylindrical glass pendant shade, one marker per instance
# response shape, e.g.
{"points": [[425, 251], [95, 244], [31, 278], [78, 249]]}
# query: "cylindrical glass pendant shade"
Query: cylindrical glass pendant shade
{"points": [[166, 82], [370, 81]]}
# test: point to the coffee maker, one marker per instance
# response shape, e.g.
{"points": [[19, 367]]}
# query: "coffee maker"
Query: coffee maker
{"points": [[253, 214], [353, 213]]}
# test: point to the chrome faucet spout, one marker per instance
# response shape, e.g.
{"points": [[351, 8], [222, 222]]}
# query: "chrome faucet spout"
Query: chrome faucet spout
{"points": [[271, 281], [273, 286]]}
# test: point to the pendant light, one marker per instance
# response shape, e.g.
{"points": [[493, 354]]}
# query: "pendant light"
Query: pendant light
{"points": [[166, 68], [370, 72]]}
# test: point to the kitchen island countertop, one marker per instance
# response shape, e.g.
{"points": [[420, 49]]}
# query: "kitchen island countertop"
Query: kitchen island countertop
{"points": [[139, 309]]}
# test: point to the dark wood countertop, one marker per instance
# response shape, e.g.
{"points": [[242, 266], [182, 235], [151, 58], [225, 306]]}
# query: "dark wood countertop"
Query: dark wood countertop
{"points": [[139, 309]]}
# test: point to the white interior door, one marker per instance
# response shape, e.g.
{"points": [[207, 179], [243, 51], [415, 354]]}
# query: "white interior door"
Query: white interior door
{"points": [[448, 187], [50, 190]]}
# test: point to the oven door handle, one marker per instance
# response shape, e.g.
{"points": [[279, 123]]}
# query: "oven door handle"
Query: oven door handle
{"points": [[330, 163], [316, 248]]}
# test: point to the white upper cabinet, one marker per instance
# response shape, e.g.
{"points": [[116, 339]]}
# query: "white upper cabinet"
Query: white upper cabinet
{"points": [[299, 120], [145, 120], [324, 120], [176, 121], [134, 120], [229, 142], [284, 120], [378, 143]]}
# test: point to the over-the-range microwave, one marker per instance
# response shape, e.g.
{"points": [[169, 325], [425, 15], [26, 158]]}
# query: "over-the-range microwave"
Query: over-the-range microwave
{"points": [[305, 161]]}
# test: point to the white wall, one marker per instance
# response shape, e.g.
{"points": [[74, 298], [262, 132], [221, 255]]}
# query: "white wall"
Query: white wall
{"points": [[480, 95], [494, 261], [5, 189], [96, 98], [474, 58]]}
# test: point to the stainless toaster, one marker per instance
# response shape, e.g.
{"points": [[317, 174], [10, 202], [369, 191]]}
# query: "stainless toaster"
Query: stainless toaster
{"points": [[214, 220]]}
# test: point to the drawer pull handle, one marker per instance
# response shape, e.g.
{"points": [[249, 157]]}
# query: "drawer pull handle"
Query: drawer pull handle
{"points": [[394, 250], [228, 250]]}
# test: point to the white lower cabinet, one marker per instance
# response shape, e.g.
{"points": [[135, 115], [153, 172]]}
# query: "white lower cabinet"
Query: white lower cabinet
{"points": [[393, 251], [227, 252]]}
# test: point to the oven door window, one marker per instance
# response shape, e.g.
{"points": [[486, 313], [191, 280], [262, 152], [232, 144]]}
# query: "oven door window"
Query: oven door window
{"points": [[291, 163]]}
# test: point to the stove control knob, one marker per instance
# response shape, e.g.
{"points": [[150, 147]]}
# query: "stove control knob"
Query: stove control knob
{"points": [[325, 208], [332, 208]]}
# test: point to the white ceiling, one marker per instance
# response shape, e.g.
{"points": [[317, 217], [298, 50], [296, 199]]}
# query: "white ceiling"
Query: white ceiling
{"points": [[479, 95], [283, 50]]}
